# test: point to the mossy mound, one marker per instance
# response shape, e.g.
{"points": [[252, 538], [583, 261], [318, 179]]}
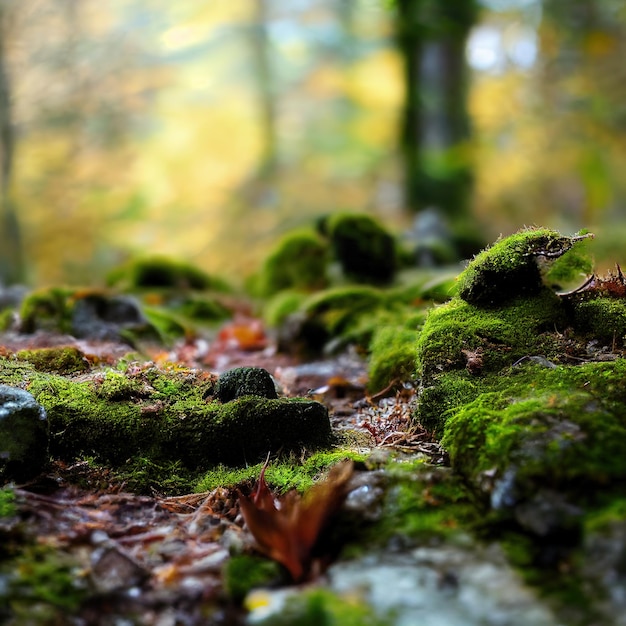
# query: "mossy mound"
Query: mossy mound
{"points": [[165, 415], [531, 416], [541, 445], [62, 360], [364, 249], [297, 262], [512, 267], [162, 272]]}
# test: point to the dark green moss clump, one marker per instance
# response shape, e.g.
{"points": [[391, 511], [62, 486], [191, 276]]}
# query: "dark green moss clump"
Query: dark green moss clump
{"points": [[298, 262], [511, 267], [244, 381], [162, 272], [365, 251]]}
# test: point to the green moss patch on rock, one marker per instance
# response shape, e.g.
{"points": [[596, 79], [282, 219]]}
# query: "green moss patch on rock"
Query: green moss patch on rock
{"points": [[512, 266], [162, 272], [297, 262], [530, 414], [62, 360], [165, 415], [364, 249]]}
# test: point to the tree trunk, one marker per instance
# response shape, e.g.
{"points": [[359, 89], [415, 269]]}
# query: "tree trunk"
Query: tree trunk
{"points": [[11, 260], [266, 91], [431, 37]]}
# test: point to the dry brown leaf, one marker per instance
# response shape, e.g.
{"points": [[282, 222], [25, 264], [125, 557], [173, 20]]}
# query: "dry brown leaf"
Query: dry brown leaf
{"points": [[286, 529]]}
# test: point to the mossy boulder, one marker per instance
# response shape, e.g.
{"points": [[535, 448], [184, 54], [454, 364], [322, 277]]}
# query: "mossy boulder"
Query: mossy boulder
{"points": [[364, 249], [297, 262], [158, 272], [532, 417], [164, 415], [61, 359], [513, 266], [543, 445], [245, 381]]}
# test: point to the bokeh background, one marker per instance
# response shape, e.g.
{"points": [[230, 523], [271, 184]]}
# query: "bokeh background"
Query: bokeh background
{"points": [[204, 130]]}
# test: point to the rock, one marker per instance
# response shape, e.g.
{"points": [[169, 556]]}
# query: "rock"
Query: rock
{"points": [[23, 435], [513, 266], [104, 317], [245, 381]]}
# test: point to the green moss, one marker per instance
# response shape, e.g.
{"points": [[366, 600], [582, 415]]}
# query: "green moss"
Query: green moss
{"points": [[392, 356], [363, 248], [315, 607], [298, 262], [47, 309], [278, 308], [422, 503], [7, 502], [603, 319], [499, 335], [510, 268], [282, 474], [167, 415], [43, 583], [243, 573], [63, 360], [561, 429], [162, 272]]}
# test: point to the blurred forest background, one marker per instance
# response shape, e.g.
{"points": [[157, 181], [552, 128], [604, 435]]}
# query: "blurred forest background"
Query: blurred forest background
{"points": [[205, 129]]}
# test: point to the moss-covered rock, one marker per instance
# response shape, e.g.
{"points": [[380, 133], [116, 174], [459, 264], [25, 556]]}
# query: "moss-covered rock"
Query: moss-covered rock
{"points": [[162, 272], [47, 309], [512, 267], [364, 249], [298, 262], [61, 359], [537, 433], [245, 381], [165, 415]]}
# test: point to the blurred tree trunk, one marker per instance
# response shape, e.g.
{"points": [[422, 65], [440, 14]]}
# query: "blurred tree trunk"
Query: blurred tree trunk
{"points": [[261, 48], [431, 36], [11, 259]]}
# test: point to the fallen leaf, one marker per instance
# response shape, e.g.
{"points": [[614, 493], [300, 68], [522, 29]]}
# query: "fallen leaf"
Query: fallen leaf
{"points": [[286, 529]]}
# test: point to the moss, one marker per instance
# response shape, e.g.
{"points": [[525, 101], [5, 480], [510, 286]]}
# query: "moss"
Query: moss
{"points": [[243, 381], [499, 335], [422, 503], [298, 262], [392, 356], [7, 502], [363, 248], [556, 430], [167, 415], [242, 573], [282, 474], [510, 267], [162, 272], [348, 313], [43, 585], [62, 360], [47, 309], [314, 607], [278, 308], [603, 319]]}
